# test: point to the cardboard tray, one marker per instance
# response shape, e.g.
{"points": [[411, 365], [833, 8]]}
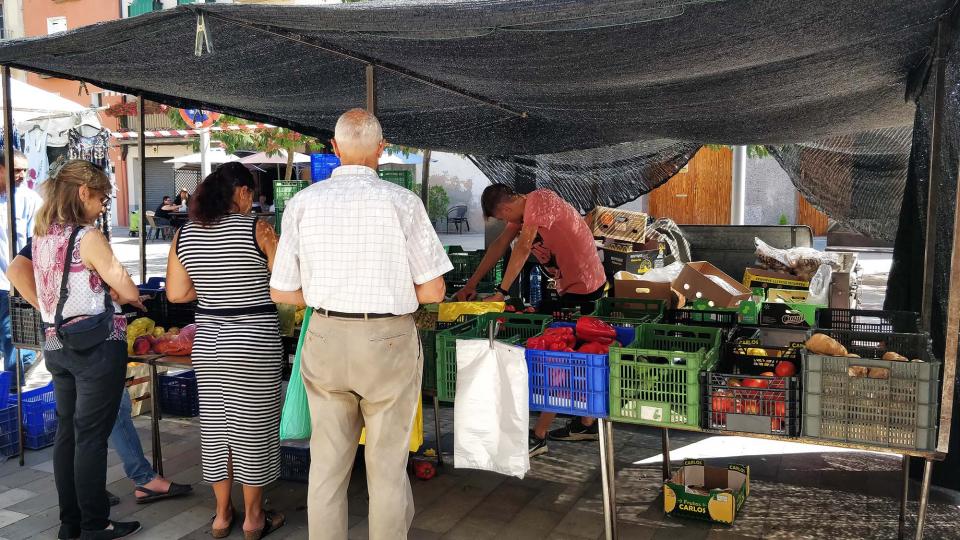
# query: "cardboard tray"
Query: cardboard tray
{"points": [[611, 224], [625, 285], [754, 278], [694, 283], [699, 491]]}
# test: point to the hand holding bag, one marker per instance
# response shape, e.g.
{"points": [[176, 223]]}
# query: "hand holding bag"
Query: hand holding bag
{"points": [[83, 332]]}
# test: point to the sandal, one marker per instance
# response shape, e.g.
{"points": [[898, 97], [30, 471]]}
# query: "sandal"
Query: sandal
{"points": [[175, 490], [271, 522], [224, 532]]}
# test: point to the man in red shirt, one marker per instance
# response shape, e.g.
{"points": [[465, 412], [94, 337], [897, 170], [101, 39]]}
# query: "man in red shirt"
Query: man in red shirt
{"points": [[543, 223]]}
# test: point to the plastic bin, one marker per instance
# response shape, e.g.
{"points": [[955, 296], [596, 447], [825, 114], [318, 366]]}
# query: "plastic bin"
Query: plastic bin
{"points": [[656, 380], [9, 431], [773, 409], [515, 328], [178, 394], [900, 411], [572, 382], [6, 398], [719, 318], [465, 264], [39, 417], [866, 320], [400, 178], [629, 311], [428, 341], [284, 190], [26, 325], [322, 165], [295, 461]]}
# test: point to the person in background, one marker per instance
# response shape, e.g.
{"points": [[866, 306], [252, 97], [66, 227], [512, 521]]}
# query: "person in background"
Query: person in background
{"points": [[548, 226], [363, 253], [26, 203], [182, 200], [123, 438], [88, 385], [237, 353], [163, 211]]}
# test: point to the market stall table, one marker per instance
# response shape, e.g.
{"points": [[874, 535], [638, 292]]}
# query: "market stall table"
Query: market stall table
{"points": [[154, 360]]}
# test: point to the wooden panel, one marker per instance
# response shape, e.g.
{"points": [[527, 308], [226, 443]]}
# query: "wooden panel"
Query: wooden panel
{"points": [[811, 217], [701, 195]]}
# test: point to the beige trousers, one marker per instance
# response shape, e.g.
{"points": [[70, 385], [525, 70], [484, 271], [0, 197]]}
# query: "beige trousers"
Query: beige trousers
{"points": [[361, 373]]}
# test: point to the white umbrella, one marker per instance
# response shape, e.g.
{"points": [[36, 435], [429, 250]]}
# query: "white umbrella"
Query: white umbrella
{"points": [[215, 156], [279, 158], [400, 159]]}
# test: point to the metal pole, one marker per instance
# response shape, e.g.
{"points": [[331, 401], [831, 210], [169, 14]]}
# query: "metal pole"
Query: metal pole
{"points": [[436, 426], [951, 337], [924, 497], [738, 189], [142, 156], [904, 496], [371, 90], [936, 126], [425, 180], [11, 223], [665, 448], [204, 151], [608, 478]]}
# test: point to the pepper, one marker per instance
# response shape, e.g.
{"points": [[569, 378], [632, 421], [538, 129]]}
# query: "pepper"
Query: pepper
{"points": [[593, 329], [592, 347]]}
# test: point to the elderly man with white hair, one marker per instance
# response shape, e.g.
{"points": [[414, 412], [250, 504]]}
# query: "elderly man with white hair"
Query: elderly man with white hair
{"points": [[363, 253]]}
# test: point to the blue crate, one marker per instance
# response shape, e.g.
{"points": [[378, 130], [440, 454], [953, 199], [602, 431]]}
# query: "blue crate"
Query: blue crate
{"points": [[178, 394], [5, 396], [9, 431], [39, 417], [322, 165], [572, 382]]}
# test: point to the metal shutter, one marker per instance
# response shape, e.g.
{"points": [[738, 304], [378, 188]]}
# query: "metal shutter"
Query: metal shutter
{"points": [[159, 182]]}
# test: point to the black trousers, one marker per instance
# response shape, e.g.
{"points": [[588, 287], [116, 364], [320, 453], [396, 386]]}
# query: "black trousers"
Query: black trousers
{"points": [[88, 387]]}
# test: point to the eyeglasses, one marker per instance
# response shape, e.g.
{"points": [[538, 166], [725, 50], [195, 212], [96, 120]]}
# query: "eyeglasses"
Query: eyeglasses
{"points": [[105, 201]]}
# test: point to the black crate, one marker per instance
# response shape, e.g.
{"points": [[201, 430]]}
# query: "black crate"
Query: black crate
{"points": [[295, 462], [702, 317], [178, 394], [26, 326], [868, 320]]}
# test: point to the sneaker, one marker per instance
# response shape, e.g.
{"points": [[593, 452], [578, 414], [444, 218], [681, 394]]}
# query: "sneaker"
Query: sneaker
{"points": [[114, 500], [576, 431], [537, 445], [117, 529]]}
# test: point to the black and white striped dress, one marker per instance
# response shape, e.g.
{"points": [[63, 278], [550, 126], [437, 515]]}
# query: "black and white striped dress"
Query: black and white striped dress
{"points": [[237, 353]]}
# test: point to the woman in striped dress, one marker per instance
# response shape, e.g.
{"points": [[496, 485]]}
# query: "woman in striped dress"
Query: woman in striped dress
{"points": [[222, 257]]}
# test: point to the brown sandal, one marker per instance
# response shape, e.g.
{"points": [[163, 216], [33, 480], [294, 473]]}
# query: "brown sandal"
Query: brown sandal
{"points": [[271, 522], [224, 532]]}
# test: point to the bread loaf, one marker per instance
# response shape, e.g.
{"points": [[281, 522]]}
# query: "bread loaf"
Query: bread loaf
{"points": [[825, 345]]}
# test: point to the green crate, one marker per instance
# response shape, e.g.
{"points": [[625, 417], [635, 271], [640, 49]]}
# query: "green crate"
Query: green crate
{"points": [[465, 263], [277, 220], [428, 340], [656, 380], [628, 311], [284, 190], [515, 328], [400, 178]]}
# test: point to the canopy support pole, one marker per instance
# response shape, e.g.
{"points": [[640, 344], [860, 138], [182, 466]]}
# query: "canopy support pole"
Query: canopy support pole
{"points": [[371, 90], [738, 189], [142, 157], [938, 69], [425, 181], [951, 336]]}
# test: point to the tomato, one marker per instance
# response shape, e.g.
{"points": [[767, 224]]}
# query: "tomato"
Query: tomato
{"points": [[733, 382], [751, 406], [756, 383], [768, 374], [785, 369], [721, 403], [510, 309]]}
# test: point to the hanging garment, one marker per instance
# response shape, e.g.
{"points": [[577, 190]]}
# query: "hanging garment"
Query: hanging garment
{"points": [[93, 148], [35, 147]]}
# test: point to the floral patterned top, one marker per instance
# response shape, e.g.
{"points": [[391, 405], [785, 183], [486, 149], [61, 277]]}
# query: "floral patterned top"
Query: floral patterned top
{"points": [[85, 286]]}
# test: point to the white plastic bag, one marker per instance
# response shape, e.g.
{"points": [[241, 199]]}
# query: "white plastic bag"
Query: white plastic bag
{"points": [[491, 414]]}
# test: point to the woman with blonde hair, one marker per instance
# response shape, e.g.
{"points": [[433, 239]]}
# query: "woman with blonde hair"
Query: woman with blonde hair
{"points": [[80, 284]]}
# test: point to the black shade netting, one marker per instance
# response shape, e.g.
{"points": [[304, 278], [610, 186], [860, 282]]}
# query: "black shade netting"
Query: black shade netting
{"points": [[521, 77], [857, 180], [609, 176]]}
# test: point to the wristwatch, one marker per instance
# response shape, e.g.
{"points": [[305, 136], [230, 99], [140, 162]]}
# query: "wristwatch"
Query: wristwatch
{"points": [[504, 292]]}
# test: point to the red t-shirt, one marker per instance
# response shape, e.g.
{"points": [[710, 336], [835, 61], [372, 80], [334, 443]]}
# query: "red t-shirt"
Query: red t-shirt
{"points": [[567, 236]]}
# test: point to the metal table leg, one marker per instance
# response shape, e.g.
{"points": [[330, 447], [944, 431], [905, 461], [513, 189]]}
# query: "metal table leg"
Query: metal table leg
{"points": [[20, 426], [436, 426], [665, 447], [155, 420], [608, 477], [924, 497], [904, 497]]}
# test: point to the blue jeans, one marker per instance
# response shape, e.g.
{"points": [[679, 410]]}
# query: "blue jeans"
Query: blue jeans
{"points": [[126, 443], [6, 342]]}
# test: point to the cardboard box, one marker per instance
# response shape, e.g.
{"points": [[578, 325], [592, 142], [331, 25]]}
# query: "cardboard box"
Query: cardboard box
{"points": [[626, 285], [768, 279], [708, 493], [701, 280], [789, 315], [611, 224]]}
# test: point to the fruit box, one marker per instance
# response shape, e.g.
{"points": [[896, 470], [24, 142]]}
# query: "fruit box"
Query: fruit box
{"points": [[768, 279], [611, 224], [789, 315], [702, 280], [699, 491], [627, 285]]}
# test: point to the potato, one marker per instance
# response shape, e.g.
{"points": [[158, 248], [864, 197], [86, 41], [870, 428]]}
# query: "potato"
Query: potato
{"points": [[894, 357]]}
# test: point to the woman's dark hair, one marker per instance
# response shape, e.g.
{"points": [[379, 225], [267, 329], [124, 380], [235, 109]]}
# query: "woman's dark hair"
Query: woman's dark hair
{"points": [[213, 198], [493, 196]]}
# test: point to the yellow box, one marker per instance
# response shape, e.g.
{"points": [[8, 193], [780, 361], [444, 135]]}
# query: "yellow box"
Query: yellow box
{"points": [[416, 437]]}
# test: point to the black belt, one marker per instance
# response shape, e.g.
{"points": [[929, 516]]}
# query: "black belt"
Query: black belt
{"points": [[365, 316]]}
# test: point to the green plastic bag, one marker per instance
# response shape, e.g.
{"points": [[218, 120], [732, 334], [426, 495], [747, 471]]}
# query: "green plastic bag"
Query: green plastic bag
{"points": [[295, 418]]}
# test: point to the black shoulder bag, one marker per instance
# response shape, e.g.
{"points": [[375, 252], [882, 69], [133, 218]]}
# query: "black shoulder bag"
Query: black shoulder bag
{"points": [[83, 332]]}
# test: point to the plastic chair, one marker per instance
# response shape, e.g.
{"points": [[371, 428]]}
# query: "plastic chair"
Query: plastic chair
{"points": [[458, 215], [158, 231]]}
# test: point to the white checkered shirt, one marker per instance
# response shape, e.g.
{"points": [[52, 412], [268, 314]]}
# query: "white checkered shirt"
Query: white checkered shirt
{"points": [[357, 244]]}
